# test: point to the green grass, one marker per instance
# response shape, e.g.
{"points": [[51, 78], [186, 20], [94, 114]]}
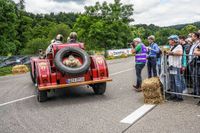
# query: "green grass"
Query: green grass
{"points": [[118, 57], [5, 71]]}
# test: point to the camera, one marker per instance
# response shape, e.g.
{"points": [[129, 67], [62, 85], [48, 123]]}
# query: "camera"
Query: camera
{"points": [[131, 44]]}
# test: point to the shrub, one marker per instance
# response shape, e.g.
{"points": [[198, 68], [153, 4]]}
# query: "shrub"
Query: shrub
{"points": [[110, 57], [123, 56], [5, 71], [34, 45]]}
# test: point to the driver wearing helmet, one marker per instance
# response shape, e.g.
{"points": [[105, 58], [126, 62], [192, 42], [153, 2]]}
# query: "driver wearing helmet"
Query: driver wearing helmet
{"points": [[73, 37], [57, 40]]}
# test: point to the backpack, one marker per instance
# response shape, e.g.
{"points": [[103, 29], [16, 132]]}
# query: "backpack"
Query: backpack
{"points": [[158, 55]]}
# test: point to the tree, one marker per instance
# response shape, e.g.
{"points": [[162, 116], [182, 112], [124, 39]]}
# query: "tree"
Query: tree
{"points": [[8, 20], [111, 12], [21, 5], [7, 47], [102, 26], [60, 29], [82, 27], [105, 26], [188, 29], [34, 45], [21, 25], [163, 34]]}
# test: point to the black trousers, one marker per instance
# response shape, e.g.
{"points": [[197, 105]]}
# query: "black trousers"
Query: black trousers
{"points": [[151, 67], [196, 79], [138, 69]]}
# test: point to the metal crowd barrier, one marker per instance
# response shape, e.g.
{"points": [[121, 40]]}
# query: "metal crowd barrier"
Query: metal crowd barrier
{"points": [[189, 78]]}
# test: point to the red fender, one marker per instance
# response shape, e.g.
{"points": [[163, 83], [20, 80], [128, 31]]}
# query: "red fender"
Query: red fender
{"points": [[99, 67], [43, 71]]}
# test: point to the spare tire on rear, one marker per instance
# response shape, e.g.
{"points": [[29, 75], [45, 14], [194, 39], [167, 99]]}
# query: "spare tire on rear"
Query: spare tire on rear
{"points": [[69, 70]]}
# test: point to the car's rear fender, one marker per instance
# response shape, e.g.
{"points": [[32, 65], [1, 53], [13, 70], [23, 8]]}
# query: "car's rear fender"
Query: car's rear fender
{"points": [[99, 67], [43, 73]]}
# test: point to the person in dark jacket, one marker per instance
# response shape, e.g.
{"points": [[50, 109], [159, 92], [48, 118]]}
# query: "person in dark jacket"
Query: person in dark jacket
{"points": [[185, 45], [192, 62], [197, 70]]}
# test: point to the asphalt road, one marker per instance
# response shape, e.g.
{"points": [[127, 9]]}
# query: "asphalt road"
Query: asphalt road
{"points": [[78, 110]]}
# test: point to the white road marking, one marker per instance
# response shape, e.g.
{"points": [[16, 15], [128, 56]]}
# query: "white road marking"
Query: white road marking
{"points": [[137, 114], [21, 99], [121, 72], [17, 100], [11, 75]]}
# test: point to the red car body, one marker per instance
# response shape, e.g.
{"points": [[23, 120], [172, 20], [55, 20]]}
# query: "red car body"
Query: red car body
{"points": [[46, 76]]}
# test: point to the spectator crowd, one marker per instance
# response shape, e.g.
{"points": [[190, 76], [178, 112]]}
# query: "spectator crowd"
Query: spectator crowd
{"points": [[183, 63]]}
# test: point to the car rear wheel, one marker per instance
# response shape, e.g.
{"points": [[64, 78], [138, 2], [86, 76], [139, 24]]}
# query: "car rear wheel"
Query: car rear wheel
{"points": [[32, 76], [42, 96], [99, 89]]}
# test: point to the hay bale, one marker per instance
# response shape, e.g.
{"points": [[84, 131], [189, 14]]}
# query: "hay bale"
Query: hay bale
{"points": [[19, 69], [152, 91], [153, 101]]}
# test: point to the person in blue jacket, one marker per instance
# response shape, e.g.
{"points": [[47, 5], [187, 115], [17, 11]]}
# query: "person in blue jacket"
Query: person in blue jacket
{"points": [[153, 49]]}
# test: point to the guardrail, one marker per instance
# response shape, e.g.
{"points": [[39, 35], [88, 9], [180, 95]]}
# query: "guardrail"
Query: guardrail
{"points": [[181, 81]]}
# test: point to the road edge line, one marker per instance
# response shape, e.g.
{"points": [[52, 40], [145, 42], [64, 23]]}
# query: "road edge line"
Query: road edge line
{"points": [[24, 98], [17, 100], [121, 72]]}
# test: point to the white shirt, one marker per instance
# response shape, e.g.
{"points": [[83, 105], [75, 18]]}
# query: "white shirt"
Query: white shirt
{"points": [[175, 61], [49, 48]]}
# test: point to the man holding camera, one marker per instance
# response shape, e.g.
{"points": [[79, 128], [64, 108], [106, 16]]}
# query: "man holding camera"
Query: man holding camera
{"points": [[175, 64], [140, 51]]}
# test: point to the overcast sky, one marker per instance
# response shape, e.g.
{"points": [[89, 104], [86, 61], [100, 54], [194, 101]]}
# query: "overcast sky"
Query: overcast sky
{"points": [[158, 12]]}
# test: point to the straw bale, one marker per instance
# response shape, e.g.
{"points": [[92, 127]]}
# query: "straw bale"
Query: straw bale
{"points": [[19, 69], [152, 91]]}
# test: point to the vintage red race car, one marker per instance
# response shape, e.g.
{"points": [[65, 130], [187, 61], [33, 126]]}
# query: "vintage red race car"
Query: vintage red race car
{"points": [[68, 65]]}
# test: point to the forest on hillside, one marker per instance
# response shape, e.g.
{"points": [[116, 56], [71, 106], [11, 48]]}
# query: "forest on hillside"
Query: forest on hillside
{"points": [[101, 27]]}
